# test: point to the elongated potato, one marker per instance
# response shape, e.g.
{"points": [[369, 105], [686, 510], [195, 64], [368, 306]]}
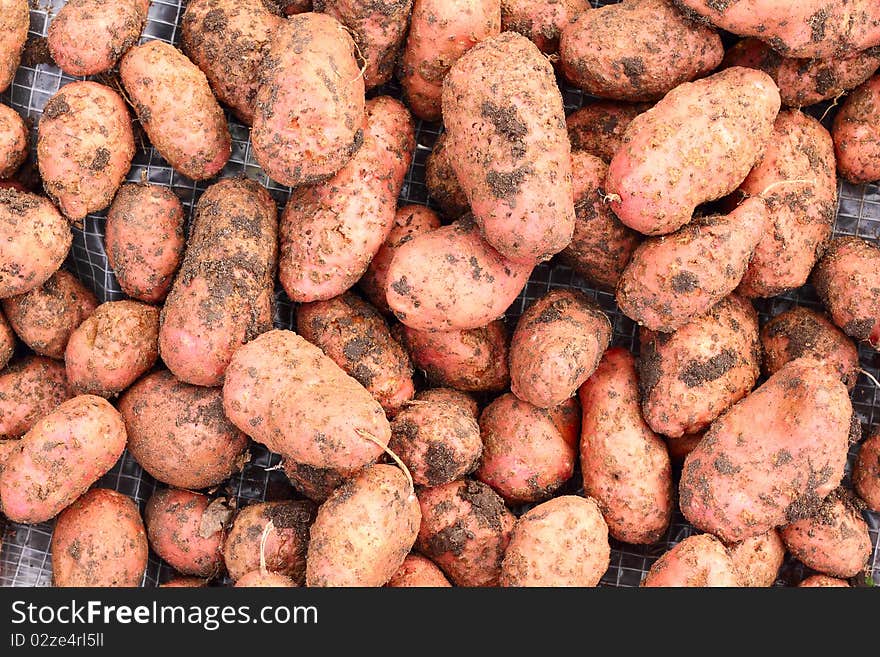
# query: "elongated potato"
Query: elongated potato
{"points": [[465, 530], [29, 389], [556, 346], [697, 561], [452, 280], [855, 131], [512, 157], [188, 129], [598, 128], [474, 360], [866, 472], [309, 111], [45, 317], [223, 295], [671, 280], [61, 455], [364, 531], [34, 240], [13, 141], [625, 466], [800, 214], [721, 124], [823, 581], [99, 540], [772, 457], [688, 378], [542, 22], [331, 231], [625, 50], [179, 434], [758, 559], [440, 32], [442, 181], [15, 19], [417, 571]]}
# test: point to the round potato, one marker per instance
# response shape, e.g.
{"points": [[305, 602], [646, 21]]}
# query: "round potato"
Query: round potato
{"points": [[542, 22], [463, 400], [29, 389], [855, 132], [758, 559], [866, 473], [598, 127], [15, 19], [698, 561], [13, 141], [442, 181], [417, 571]]}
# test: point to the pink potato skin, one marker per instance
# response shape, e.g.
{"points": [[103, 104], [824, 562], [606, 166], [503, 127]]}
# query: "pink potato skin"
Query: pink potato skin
{"points": [[331, 231], [184, 582], [525, 457], [866, 472], [458, 398], [598, 128], [15, 19], [856, 133], [672, 279], [542, 22], [29, 389], [409, 221], [223, 295], [87, 37], [465, 530], [509, 147], [800, 215], [772, 457], [823, 581], [45, 317], [679, 448], [178, 111], [698, 561], [442, 182], [257, 579], [625, 466], [417, 571], [758, 559], [720, 123], [637, 50], [440, 32], [144, 240], [309, 112], [99, 540], [13, 141], [7, 341], [567, 418], [452, 280], [61, 455]]}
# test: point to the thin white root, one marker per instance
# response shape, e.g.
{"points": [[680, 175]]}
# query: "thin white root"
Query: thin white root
{"points": [[269, 527], [372, 438], [608, 198], [796, 181], [272, 468], [871, 377], [833, 104], [360, 53]]}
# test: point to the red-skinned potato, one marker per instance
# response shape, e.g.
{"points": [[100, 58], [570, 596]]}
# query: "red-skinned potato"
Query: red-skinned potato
{"points": [[442, 182], [13, 141], [625, 466], [99, 540], [184, 582], [7, 341], [698, 561], [567, 419], [680, 447], [855, 131], [417, 571], [598, 128], [823, 581], [542, 22], [866, 472], [259, 579], [29, 389], [463, 400], [15, 19], [758, 559]]}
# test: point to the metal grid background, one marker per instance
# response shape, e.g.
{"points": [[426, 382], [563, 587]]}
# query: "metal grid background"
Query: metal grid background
{"points": [[25, 561]]}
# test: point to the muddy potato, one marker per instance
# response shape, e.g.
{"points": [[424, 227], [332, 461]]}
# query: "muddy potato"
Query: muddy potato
{"points": [[698, 561], [417, 571], [259, 579], [598, 127], [463, 400], [29, 389], [855, 132], [567, 419], [7, 341], [824, 581], [15, 20], [758, 559], [442, 181], [866, 472], [542, 22], [13, 141]]}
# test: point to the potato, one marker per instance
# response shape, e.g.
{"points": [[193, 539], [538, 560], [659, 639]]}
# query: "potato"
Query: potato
{"points": [[62, 454], [184, 582], [451, 280], [462, 400], [465, 530], [175, 106], [89, 36], [772, 457], [823, 581], [440, 32], [34, 240], [186, 529], [866, 472], [679, 448], [356, 337], [144, 240], [637, 50], [111, 349], [417, 571], [285, 544], [257, 578], [45, 317], [474, 360], [698, 561], [179, 434], [542, 22], [671, 280], [598, 128], [331, 231], [223, 295], [847, 279], [439, 442], [818, 29], [509, 148], [625, 466], [99, 540], [7, 341], [227, 40], [525, 457], [720, 124], [364, 531], [442, 182], [309, 112], [410, 220], [15, 20], [13, 141], [566, 418], [7, 447], [562, 542], [315, 483], [855, 131], [835, 540], [758, 559], [688, 378], [557, 344], [804, 82], [29, 389], [804, 332], [798, 166]]}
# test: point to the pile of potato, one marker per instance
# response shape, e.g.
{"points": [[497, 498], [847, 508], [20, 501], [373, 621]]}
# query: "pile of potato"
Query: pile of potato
{"points": [[428, 444]]}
